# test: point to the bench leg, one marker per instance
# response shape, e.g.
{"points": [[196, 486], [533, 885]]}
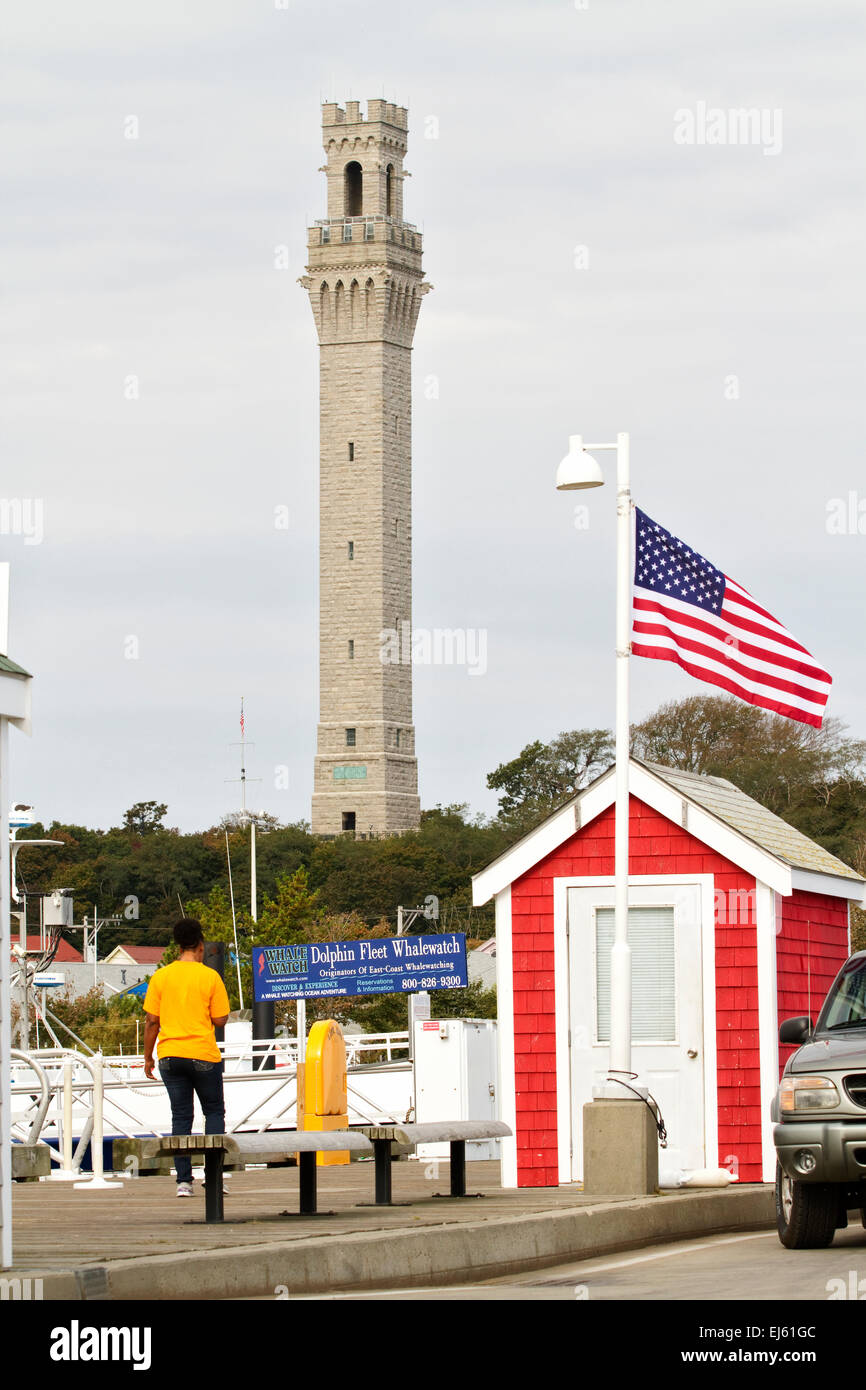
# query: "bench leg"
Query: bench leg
{"points": [[458, 1168], [382, 1154], [307, 1176], [213, 1185]]}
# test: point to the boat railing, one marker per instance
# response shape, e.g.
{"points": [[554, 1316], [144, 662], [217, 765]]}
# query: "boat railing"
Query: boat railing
{"points": [[274, 1102]]}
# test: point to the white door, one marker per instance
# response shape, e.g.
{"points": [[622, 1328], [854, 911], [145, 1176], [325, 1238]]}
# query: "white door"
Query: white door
{"points": [[667, 1012]]}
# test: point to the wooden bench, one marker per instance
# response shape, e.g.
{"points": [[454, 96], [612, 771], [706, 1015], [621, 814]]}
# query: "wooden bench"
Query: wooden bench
{"points": [[238, 1149], [457, 1133]]}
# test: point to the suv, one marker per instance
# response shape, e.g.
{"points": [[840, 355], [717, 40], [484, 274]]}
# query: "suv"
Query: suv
{"points": [[819, 1116]]}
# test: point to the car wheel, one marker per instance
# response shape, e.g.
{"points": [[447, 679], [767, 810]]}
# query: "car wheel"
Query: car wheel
{"points": [[805, 1212]]}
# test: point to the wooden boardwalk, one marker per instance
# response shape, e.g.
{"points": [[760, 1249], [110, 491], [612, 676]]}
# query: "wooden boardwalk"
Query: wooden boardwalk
{"points": [[56, 1226]]}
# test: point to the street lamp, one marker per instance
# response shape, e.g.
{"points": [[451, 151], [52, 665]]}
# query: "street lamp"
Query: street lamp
{"points": [[579, 470]]}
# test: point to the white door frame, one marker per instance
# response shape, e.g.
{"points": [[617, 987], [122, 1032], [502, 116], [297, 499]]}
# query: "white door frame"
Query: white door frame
{"points": [[705, 883]]}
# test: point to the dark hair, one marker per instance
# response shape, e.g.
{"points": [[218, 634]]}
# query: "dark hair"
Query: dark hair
{"points": [[188, 933]]}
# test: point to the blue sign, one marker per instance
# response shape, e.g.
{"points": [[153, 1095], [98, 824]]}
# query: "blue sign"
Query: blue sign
{"points": [[379, 965]]}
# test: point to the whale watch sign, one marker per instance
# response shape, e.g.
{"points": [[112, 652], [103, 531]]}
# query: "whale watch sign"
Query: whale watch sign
{"points": [[380, 965]]}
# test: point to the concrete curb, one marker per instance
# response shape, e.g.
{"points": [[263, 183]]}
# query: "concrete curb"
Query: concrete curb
{"points": [[452, 1252]]}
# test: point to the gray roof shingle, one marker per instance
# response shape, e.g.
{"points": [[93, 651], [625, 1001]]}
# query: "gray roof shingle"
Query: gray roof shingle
{"points": [[749, 818]]}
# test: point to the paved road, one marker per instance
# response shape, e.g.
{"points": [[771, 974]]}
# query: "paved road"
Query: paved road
{"points": [[753, 1266]]}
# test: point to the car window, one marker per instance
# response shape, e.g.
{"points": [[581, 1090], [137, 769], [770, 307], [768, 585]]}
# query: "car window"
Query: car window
{"points": [[845, 1005]]}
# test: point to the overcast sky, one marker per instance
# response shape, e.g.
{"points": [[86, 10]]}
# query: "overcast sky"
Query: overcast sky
{"points": [[592, 274]]}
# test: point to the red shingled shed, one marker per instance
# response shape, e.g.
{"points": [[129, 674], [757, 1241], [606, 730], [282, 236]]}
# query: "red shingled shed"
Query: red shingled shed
{"points": [[736, 921]]}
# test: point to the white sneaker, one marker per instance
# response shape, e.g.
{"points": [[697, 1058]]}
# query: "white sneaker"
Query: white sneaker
{"points": [[184, 1189]]}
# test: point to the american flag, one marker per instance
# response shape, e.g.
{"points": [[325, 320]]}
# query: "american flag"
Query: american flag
{"points": [[687, 611], [242, 718]]}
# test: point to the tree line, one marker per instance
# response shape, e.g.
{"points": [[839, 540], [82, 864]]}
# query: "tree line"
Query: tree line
{"points": [[149, 874]]}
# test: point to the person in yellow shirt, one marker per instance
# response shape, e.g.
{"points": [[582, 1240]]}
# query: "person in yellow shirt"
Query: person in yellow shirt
{"points": [[185, 1002]]}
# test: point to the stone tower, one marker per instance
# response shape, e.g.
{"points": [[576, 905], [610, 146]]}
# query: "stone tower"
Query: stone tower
{"points": [[365, 285]]}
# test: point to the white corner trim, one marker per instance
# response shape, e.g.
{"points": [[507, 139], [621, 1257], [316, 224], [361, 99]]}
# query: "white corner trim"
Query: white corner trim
{"points": [[854, 889], [562, 1024], [768, 1021], [505, 1036], [707, 884]]}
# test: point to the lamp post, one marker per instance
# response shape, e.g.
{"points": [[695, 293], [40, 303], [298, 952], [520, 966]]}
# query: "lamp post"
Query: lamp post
{"points": [[579, 470]]}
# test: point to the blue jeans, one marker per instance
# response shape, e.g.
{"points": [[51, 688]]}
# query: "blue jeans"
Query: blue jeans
{"points": [[184, 1078]]}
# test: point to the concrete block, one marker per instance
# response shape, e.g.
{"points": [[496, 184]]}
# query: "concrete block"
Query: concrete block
{"points": [[30, 1162], [620, 1149]]}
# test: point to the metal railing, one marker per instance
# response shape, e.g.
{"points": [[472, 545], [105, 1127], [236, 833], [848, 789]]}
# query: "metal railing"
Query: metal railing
{"points": [[66, 1077]]}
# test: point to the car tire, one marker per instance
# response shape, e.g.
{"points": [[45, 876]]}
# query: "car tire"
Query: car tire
{"points": [[806, 1212]]}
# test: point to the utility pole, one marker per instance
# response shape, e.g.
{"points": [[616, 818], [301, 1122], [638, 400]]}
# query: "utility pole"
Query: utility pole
{"points": [[406, 916], [263, 1013]]}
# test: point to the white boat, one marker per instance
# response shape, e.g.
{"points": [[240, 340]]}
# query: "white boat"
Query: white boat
{"points": [[380, 1085]]}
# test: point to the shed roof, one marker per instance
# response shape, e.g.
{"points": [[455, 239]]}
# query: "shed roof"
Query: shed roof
{"points": [[722, 815], [747, 816]]}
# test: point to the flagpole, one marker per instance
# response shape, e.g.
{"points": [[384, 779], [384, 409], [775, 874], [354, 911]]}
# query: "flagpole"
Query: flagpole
{"points": [[620, 960], [579, 470]]}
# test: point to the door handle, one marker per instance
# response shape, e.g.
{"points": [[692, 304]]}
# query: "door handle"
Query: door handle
{"points": [[693, 1052]]}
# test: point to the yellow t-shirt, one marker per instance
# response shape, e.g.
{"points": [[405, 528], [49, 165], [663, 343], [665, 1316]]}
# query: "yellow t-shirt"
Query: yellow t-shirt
{"points": [[185, 996]]}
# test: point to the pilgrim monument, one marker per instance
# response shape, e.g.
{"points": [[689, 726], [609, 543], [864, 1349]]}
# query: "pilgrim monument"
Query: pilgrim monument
{"points": [[365, 284]]}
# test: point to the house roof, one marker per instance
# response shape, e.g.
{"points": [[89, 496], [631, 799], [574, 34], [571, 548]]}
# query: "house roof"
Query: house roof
{"points": [[65, 951], [712, 809], [11, 668], [141, 955]]}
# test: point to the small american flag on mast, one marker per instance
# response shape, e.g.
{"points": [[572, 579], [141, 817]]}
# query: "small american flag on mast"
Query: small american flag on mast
{"points": [[242, 716], [686, 611]]}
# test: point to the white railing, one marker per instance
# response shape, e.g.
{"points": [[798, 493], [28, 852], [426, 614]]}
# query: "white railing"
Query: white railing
{"points": [[380, 1087]]}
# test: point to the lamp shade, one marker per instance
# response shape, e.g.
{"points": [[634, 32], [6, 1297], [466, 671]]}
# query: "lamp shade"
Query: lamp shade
{"points": [[578, 469]]}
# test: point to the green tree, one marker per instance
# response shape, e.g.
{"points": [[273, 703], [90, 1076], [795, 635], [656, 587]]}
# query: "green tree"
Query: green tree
{"points": [[144, 817], [544, 775]]}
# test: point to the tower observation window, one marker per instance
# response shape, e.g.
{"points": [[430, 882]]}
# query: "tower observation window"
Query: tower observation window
{"points": [[354, 189]]}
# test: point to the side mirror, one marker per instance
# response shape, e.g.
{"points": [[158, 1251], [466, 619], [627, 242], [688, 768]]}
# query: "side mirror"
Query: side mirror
{"points": [[795, 1031]]}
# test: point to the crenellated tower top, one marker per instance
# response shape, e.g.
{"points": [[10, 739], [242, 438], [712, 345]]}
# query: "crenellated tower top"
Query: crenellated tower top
{"points": [[365, 158]]}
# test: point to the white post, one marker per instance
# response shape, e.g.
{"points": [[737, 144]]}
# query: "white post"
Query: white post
{"points": [[66, 1171], [620, 960], [5, 1004], [67, 1115], [253, 894], [301, 1005], [98, 1180]]}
